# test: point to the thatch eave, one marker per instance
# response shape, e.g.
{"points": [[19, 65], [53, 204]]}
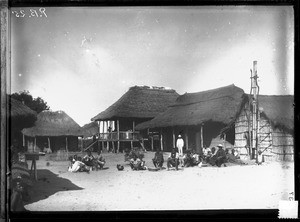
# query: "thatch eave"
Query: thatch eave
{"points": [[139, 102]]}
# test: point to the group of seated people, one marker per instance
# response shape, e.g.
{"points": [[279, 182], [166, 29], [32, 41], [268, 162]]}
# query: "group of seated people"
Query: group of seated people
{"points": [[87, 163], [216, 156]]}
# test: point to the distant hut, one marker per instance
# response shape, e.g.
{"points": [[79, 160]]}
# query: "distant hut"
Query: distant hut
{"points": [[276, 128], [53, 130], [139, 104], [91, 131], [199, 118], [20, 117]]}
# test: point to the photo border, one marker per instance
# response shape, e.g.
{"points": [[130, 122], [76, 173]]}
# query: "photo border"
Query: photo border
{"points": [[120, 215]]}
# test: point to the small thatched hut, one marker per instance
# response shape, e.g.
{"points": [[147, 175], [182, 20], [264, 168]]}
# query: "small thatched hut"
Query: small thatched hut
{"points": [[276, 127], [200, 117], [53, 130], [137, 105], [90, 129], [20, 117]]}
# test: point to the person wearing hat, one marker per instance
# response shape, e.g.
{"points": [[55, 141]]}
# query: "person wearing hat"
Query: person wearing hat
{"points": [[221, 156], [179, 145]]}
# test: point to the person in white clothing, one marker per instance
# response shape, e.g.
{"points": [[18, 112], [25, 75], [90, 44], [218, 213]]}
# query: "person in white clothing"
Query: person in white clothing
{"points": [[179, 145]]}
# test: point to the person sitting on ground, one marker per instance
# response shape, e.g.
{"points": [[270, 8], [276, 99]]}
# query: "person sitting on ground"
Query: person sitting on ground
{"points": [[233, 158], [206, 153], [137, 163], [196, 158], [16, 202], [88, 159], [221, 156], [158, 159], [187, 159], [259, 158], [79, 166], [213, 157], [173, 159], [100, 161]]}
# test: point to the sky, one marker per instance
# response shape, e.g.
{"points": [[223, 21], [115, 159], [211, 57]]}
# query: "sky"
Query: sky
{"points": [[83, 59]]}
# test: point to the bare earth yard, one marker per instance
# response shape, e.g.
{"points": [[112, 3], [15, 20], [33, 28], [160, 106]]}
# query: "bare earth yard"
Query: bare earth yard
{"points": [[231, 187]]}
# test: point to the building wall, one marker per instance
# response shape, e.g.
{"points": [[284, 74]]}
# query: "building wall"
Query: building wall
{"points": [[56, 143], [276, 144]]}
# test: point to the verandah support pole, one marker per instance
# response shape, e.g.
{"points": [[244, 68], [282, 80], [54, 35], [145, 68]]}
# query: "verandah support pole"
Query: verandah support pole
{"points": [[67, 147], [49, 145], [201, 136], [118, 131], [173, 135], [186, 139], [161, 140], [23, 139], [102, 135], [34, 147]]}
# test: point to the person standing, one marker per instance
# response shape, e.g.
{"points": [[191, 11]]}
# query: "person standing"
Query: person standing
{"points": [[179, 145]]}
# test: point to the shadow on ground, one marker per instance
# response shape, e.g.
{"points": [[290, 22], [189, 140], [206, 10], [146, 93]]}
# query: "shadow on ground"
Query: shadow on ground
{"points": [[48, 184]]}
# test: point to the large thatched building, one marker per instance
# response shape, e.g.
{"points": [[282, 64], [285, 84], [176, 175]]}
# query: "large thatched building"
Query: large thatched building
{"points": [[139, 104], [54, 130], [224, 115], [275, 127], [199, 117]]}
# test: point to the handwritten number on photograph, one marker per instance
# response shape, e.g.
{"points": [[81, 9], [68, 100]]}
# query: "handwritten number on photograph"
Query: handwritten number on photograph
{"points": [[41, 12]]}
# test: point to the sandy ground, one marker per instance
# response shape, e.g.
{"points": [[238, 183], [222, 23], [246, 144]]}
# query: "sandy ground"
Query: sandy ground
{"points": [[231, 187]]}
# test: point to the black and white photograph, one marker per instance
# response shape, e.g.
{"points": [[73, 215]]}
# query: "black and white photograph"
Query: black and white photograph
{"points": [[151, 108]]}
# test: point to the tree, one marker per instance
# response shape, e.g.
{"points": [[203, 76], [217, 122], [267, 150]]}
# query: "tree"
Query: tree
{"points": [[36, 104]]}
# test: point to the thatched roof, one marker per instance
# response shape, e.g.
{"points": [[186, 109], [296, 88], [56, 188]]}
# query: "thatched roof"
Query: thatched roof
{"points": [[218, 105], [54, 124], [139, 102], [91, 129], [18, 109], [278, 109]]}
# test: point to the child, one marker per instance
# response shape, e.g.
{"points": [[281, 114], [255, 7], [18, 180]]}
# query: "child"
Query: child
{"points": [[260, 158], [100, 161], [158, 159]]}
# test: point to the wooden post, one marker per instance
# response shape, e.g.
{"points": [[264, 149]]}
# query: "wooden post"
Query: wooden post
{"points": [[107, 140], [49, 145], [102, 135], [186, 139], [201, 136], [133, 126], [152, 146], [23, 139], [34, 148], [82, 144], [161, 140], [67, 147], [118, 131], [173, 134]]}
